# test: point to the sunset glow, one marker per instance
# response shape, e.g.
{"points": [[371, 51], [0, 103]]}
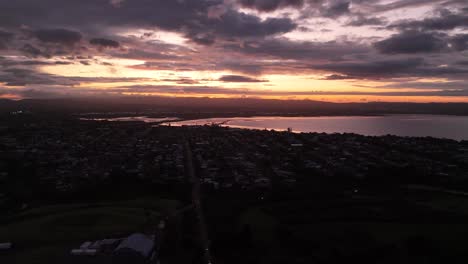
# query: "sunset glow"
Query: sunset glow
{"points": [[330, 50]]}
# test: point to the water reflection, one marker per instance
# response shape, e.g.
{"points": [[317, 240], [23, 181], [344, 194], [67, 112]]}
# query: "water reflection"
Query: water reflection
{"points": [[441, 126]]}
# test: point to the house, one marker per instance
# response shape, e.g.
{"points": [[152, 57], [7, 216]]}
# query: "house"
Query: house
{"points": [[90, 248], [6, 246], [137, 248]]}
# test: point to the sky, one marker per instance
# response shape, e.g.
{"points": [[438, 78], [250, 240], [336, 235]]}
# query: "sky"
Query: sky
{"points": [[330, 50]]}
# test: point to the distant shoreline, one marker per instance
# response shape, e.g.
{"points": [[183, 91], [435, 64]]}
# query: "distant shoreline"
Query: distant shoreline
{"points": [[404, 125]]}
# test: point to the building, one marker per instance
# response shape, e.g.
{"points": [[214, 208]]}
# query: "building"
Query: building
{"points": [[6, 246], [135, 249]]}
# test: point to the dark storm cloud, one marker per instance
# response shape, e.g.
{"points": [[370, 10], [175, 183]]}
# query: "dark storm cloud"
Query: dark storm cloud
{"points": [[5, 38], [376, 69], [399, 4], [21, 77], [10, 63], [445, 20], [252, 68], [459, 42], [412, 67], [181, 80], [270, 5], [452, 85], [138, 54], [49, 51], [306, 50], [170, 65], [244, 67], [166, 14], [337, 77], [31, 51], [202, 38], [58, 36], [462, 63], [236, 24], [336, 9], [422, 42], [242, 43], [412, 42], [317, 8], [187, 17], [17, 76], [106, 43], [238, 78]]}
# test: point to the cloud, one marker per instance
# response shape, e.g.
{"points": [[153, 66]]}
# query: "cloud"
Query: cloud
{"points": [[238, 78], [31, 51], [337, 77], [190, 18], [299, 50], [459, 42], [5, 38], [202, 38], [270, 5], [451, 85], [386, 69], [408, 42], [444, 20], [373, 69], [105, 43], [400, 4], [463, 63], [361, 20], [237, 24], [58, 36], [234, 65], [246, 38], [336, 8], [245, 67], [181, 80], [5, 35], [10, 63], [412, 42], [23, 77]]}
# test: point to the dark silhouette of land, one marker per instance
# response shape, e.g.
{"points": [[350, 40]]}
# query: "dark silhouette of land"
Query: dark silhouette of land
{"points": [[224, 107]]}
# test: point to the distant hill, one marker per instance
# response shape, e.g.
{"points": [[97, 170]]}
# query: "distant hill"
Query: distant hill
{"points": [[244, 106]]}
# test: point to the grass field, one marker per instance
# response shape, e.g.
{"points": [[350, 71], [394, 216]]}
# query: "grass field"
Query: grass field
{"points": [[415, 228], [49, 232]]}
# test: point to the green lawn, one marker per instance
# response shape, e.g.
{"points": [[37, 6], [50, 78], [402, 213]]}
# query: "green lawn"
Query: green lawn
{"points": [[51, 231]]}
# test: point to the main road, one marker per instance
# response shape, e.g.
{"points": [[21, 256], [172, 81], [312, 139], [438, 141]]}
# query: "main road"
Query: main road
{"points": [[196, 200]]}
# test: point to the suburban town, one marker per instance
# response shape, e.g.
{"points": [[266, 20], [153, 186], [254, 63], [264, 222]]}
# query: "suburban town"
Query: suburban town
{"points": [[70, 156], [211, 172]]}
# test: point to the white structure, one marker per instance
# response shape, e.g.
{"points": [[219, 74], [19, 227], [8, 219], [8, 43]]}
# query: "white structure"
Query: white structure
{"points": [[297, 145], [86, 245], [102, 243], [138, 243], [6, 246]]}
